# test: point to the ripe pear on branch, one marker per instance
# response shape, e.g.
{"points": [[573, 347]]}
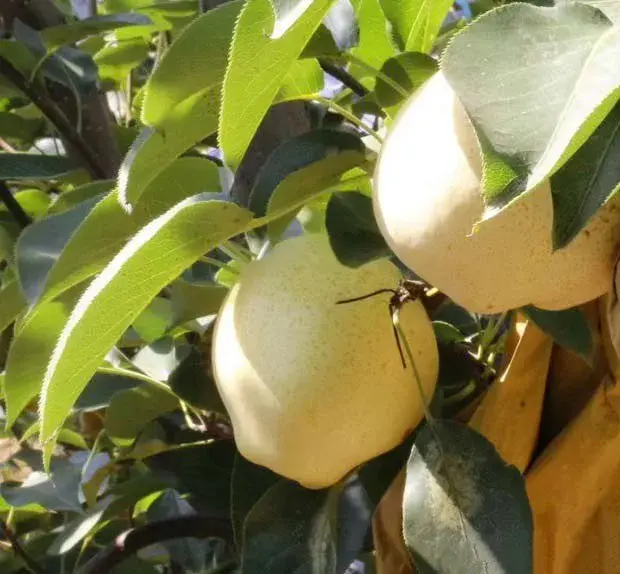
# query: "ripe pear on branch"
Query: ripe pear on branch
{"points": [[427, 199], [313, 388]]}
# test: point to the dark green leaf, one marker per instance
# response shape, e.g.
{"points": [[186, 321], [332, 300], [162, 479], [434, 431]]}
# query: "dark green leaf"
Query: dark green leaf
{"points": [[495, 66], [14, 126], [447, 333], [464, 508], [295, 154], [408, 71], [377, 474], [589, 179], [56, 491], [203, 471], [290, 530], [16, 166], [309, 182], [193, 382], [569, 328], [188, 553], [193, 300], [40, 245], [130, 410], [353, 232], [249, 483], [104, 385]]}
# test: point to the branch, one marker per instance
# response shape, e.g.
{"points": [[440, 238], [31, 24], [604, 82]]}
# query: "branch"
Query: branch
{"points": [[342, 75], [132, 541], [55, 115], [18, 550], [15, 209]]}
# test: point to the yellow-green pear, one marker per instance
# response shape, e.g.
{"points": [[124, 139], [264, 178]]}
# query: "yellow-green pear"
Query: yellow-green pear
{"points": [[427, 198], [314, 388]]}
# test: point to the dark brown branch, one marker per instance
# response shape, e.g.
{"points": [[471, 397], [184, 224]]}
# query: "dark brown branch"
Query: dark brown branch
{"points": [[13, 206], [132, 541], [18, 549], [343, 76], [56, 116]]}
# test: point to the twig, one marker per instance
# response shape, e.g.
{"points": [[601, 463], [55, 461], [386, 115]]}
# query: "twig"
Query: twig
{"points": [[132, 541], [15, 209], [342, 75], [56, 116], [18, 549]]}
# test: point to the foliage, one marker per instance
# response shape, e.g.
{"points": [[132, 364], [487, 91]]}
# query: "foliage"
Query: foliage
{"points": [[120, 235]]}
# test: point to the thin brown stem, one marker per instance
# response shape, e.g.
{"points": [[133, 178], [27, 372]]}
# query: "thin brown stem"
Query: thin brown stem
{"points": [[132, 541], [56, 116]]}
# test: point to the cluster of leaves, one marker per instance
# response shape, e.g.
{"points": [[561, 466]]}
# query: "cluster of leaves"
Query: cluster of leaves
{"points": [[112, 274]]}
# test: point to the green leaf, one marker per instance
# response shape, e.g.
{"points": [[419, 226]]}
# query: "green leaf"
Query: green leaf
{"points": [[464, 508], [304, 80], [154, 150], [30, 351], [116, 60], [124, 288], [80, 527], [193, 300], [41, 244], [105, 383], [14, 126], [287, 13], [108, 227], [56, 491], [569, 328], [409, 71], [155, 320], [12, 303], [257, 66], [589, 179], [18, 166], [77, 195], [201, 51], [294, 154], [416, 23], [495, 66], [375, 45], [160, 358], [309, 182], [353, 232], [33, 201], [130, 410], [66, 34], [290, 530]]}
